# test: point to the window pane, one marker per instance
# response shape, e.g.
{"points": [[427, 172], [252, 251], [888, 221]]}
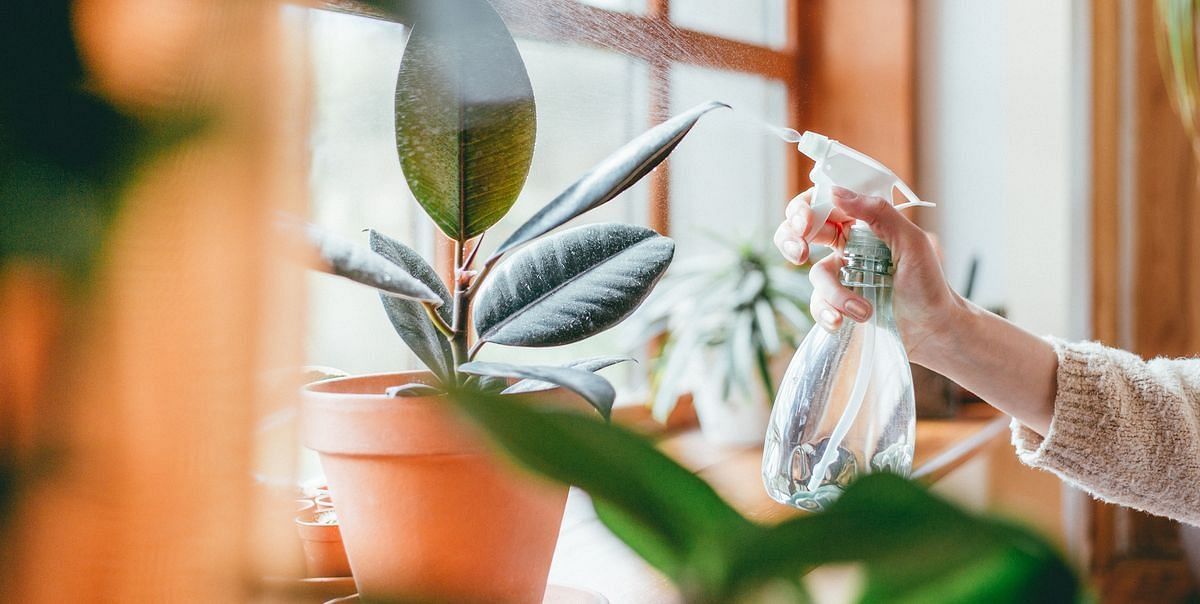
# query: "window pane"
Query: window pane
{"points": [[762, 22], [727, 177], [356, 183], [589, 103]]}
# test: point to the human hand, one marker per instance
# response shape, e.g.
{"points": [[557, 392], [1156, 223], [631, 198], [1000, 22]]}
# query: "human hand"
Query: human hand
{"points": [[923, 301]]}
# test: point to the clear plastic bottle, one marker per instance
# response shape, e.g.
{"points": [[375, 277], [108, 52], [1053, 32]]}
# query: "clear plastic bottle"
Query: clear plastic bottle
{"points": [[845, 407]]}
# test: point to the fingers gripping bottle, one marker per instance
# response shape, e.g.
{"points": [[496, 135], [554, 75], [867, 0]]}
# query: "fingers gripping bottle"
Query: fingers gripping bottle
{"points": [[845, 407]]}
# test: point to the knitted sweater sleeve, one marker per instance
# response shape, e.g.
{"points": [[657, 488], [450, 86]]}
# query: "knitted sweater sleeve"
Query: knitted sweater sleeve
{"points": [[1124, 429]]}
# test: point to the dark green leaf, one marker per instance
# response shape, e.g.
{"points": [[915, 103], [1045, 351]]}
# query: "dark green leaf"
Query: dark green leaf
{"points": [[343, 258], [410, 318], [571, 285], [414, 389], [593, 388], [592, 364], [610, 177], [465, 118]]}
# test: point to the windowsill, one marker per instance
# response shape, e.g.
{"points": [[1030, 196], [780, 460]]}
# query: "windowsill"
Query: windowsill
{"points": [[589, 556]]}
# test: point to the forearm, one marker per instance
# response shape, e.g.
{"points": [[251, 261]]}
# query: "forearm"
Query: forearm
{"points": [[1013, 370]]}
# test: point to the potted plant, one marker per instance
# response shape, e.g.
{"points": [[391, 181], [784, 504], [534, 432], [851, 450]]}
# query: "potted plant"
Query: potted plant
{"points": [[426, 511], [728, 325], [324, 555]]}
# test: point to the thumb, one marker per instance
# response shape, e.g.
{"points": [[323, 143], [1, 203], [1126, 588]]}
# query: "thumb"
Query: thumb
{"points": [[884, 219]]}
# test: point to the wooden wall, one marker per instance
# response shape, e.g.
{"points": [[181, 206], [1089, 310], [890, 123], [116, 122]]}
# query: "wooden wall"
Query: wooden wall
{"points": [[860, 77], [1145, 262]]}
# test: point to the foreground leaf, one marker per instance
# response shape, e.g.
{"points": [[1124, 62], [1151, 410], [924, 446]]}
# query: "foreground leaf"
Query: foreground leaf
{"points": [[345, 259], [571, 285], [465, 118], [410, 318], [663, 511], [610, 177], [591, 364], [914, 547], [593, 388]]}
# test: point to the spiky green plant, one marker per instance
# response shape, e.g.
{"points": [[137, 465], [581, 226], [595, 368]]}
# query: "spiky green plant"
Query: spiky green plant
{"points": [[741, 306]]}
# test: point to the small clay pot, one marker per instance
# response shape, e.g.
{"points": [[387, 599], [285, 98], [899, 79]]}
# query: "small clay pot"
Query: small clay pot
{"points": [[305, 505], [324, 554], [324, 502]]}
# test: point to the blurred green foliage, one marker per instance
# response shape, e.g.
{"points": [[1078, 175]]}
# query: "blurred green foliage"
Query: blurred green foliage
{"points": [[65, 155], [912, 546], [65, 151]]}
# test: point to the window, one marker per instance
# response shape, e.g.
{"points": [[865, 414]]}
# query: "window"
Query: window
{"points": [[602, 71]]}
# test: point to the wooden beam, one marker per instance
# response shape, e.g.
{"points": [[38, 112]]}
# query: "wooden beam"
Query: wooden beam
{"points": [[648, 37]]}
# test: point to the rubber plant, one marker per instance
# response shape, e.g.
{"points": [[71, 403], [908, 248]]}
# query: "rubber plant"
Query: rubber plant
{"points": [[465, 130]]}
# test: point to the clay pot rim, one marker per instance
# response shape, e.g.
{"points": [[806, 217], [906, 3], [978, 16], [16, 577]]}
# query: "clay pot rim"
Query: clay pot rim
{"points": [[322, 389], [302, 522]]}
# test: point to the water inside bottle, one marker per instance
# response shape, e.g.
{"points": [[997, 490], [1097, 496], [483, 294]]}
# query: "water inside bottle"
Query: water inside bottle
{"points": [[814, 410]]}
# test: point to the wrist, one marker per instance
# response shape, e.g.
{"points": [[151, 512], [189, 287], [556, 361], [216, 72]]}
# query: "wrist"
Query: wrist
{"points": [[943, 344]]}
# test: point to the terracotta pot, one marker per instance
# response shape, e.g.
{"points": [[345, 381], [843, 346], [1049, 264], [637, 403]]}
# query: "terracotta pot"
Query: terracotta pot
{"points": [[324, 554], [427, 511], [324, 502]]}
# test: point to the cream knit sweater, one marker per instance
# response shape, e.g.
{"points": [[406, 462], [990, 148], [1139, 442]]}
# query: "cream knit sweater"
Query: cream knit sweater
{"points": [[1124, 429]]}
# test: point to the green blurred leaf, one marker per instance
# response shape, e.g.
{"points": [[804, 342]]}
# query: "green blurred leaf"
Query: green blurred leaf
{"points": [[343, 258], [465, 117], [571, 285], [663, 511], [914, 547], [409, 318], [590, 364], [593, 388], [1176, 25], [610, 177]]}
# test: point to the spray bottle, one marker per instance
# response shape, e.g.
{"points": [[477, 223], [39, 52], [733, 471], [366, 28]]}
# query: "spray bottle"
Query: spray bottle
{"points": [[845, 407]]}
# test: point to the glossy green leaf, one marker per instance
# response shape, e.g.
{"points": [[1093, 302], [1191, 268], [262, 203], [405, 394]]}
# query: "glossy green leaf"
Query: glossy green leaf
{"points": [[591, 364], [410, 319], [345, 259], [610, 177], [465, 118], [571, 285], [593, 388]]}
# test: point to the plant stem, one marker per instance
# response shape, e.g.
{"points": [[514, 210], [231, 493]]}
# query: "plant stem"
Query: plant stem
{"points": [[479, 279], [474, 350], [438, 321], [462, 303]]}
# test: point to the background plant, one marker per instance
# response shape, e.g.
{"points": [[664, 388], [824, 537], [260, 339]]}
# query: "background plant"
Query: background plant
{"points": [[741, 307], [465, 130]]}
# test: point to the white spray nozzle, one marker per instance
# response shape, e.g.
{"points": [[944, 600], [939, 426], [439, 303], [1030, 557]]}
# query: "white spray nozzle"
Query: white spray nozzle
{"points": [[839, 165], [814, 145]]}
